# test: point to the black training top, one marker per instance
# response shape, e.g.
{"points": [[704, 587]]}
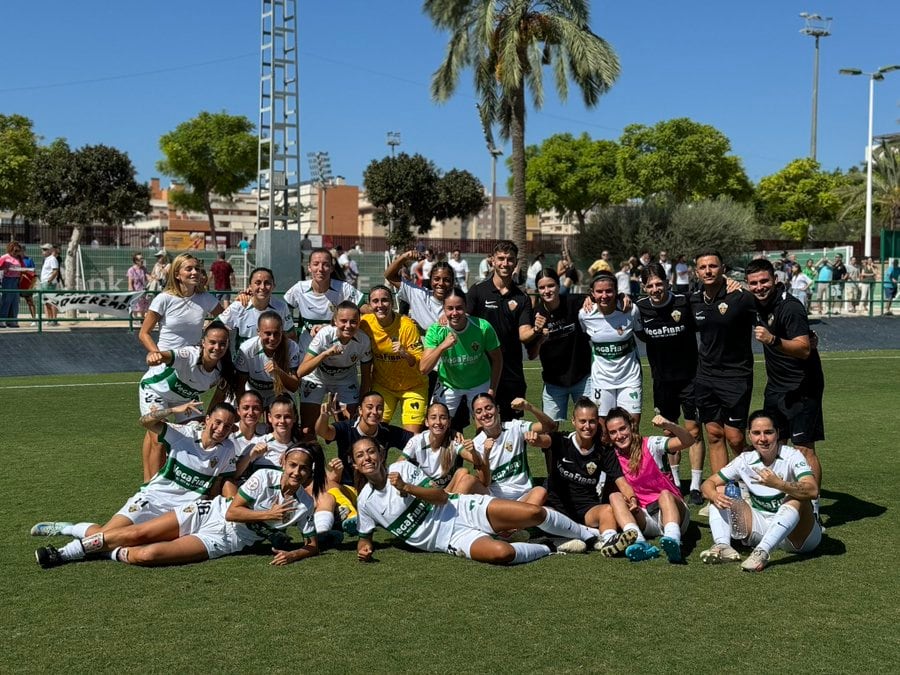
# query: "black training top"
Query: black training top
{"points": [[573, 476], [785, 317], [566, 350], [505, 312], [347, 432], [725, 326], [671, 338]]}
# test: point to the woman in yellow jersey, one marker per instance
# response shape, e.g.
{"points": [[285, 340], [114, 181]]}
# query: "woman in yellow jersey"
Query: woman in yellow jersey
{"points": [[397, 349]]}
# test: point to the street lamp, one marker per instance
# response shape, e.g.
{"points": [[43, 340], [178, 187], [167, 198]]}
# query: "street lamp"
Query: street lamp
{"points": [[321, 176], [818, 27], [393, 140], [873, 76]]}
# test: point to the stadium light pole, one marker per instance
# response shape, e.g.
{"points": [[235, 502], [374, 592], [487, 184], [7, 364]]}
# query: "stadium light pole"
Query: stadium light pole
{"points": [[874, 76], [393, 140], [818, 27], [320, 173]]}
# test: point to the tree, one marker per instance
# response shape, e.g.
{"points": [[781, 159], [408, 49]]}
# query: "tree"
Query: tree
{"points": [[18, 146], [799, 197], [684, 159], [212, 154], [95, 183], [507, 43], [411, 192], [571, 175], [885, 188]]}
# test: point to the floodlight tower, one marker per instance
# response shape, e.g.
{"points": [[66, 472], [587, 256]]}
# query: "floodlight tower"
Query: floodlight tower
{"points": [[278, 177], [818, 27], [393, 140], [321, 176]]}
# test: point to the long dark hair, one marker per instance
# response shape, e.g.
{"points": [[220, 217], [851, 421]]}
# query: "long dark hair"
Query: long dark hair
{"points": [[314, 450], [227, 373]]}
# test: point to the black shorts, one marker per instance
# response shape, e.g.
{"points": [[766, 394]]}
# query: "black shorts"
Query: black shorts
{"points": [[798, 415], [675, 399], [507, 390], [723, 400], [574, 510]]}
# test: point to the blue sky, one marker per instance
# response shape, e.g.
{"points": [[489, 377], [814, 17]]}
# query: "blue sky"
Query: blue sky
{"points": [[125, 73]]}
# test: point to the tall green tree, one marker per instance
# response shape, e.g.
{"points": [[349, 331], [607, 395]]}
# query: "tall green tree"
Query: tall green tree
{"points": [[683, 159], [571, 175], [507, 43], [885, 188], [211, 154], [798, 198], [18, 147], [94, 184]]}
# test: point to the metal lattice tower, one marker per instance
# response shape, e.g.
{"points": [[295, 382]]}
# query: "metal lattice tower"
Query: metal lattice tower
{"points": [[279, 117]]}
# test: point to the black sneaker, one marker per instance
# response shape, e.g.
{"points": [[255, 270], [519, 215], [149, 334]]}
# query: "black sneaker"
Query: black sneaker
{"points": [[616, 544], [696, 498], [48, 556]]}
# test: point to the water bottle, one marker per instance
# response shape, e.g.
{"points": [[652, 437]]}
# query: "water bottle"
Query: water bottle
{"points": [[737, 514]]}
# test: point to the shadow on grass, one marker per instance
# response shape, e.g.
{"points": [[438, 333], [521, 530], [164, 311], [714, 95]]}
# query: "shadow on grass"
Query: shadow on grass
{"points": [[846, 508], [828, 547]]}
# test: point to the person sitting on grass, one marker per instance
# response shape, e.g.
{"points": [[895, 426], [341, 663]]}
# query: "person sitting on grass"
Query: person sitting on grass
{"points": [[336, 504], [269, 502], [782, 487], [401, 499], [657, 506]]}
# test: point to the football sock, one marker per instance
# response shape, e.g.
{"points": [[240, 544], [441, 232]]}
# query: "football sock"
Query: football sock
{"points": [[607, 535], [560, 525], [632, 526], [673, 531], [72, 551], [721, 530], [675, 475], [526, 552], [780, 527], [324, 521], [696, 478], [815, 507], [77, 530]]}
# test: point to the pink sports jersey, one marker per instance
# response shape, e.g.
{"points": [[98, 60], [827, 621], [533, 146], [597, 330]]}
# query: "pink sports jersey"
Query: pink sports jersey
{"points": [[649, 480]]}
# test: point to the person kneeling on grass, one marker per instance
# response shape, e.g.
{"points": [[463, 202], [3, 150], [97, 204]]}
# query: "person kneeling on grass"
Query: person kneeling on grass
{"points": [[782, 487], [400, 498], [657, 506], [269, 502]]}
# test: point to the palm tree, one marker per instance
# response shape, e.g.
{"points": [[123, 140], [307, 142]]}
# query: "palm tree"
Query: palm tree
{"points": [[507, 43], [885, 188]]}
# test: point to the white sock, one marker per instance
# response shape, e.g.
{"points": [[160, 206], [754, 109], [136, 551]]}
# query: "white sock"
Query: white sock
{"points": [[324, 521], [720, 528], [675, 475], [561, 525], [780, 527], [77, 530], [672, 531], [607, 535], [696, 478], [72, 551], [633, 526], [815, 505], [526, 552]]}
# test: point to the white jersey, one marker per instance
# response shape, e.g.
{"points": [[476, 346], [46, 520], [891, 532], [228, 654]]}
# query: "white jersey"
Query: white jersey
{"points": [[418, 450], [244, 320], [184, 380], [190, 469], [243, 445], [318, 308], [271, 459], [181, 319], [251, 361], [263, 490], [615, 362], [419, 523], [338, 368], [424, 308], [510, 474], [789, 465], [460, 272]]}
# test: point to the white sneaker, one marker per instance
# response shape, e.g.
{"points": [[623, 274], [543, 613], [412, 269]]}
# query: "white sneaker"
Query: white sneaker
{"points": [[572, 546], [756, 561], [719, 553]]}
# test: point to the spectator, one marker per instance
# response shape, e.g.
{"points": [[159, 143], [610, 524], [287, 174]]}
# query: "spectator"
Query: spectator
{"points": [[635, 274], [800, 284], [891, 277], [780, 275], [851, 285], [460, 270], [351, 274], [602, 264], [667, 265], [137, 281], [824, 274], [50, 280], [623, 278], [867, 277], [838, 279], [244, 245], [682, 276], [26, 283], [159, 275], [425, 267], [485, 268], [223, 279], [536, 266]]}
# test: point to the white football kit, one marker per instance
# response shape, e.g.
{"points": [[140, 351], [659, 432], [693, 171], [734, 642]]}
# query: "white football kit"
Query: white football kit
{"points": [[318, 308], [165, 386], [251, 361], [510, 474], [615, 367]]}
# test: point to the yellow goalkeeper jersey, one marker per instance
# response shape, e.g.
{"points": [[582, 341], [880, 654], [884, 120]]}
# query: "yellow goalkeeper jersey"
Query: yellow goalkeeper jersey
{"points": [[391, 370]]}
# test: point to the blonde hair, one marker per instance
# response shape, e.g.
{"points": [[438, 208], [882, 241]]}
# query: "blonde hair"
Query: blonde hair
{"points": [[173, 285]]}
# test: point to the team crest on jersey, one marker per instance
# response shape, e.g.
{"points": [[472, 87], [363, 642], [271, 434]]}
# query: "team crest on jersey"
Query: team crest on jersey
{"points": [[771, 320], [591, 468], [475, 346], [507, 446], [723, 307], [331, 308], [620, 330], [676, 316], [134, 508], [353, 358], [188, 509], [213, 462], [512, 304]]}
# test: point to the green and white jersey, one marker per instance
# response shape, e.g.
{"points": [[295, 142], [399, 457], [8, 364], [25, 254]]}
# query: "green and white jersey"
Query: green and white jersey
{"points": [[190, 469], [418, 450], [251, 361], [339, 368], [244, 320], [318, 308], [510, 474], [263, 490], [184, 380], [272, 457], [420, 524], [466, 364], [244, 445], [615, 363], [789, 465]]}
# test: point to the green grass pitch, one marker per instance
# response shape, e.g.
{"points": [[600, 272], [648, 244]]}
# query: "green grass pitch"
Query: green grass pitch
{"points": [[71, 448]]}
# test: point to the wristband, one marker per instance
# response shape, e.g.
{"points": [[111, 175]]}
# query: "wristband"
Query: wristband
{"points": [[776, 341]]}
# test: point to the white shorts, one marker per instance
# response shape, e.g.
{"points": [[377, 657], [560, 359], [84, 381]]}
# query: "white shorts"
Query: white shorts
{"points": [[205, 519], [141, 508], [654, 524], [629, 398], [471, 523], [149, 401], [761, 522], [314, 392], [452, 398]]}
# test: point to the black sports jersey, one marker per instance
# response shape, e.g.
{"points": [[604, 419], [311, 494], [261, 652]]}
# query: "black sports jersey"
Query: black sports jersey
{"points": [[505, 312], [347, 432], [671, 338], [573, 475], [566, 350], [725, 326], [785, 317]]}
